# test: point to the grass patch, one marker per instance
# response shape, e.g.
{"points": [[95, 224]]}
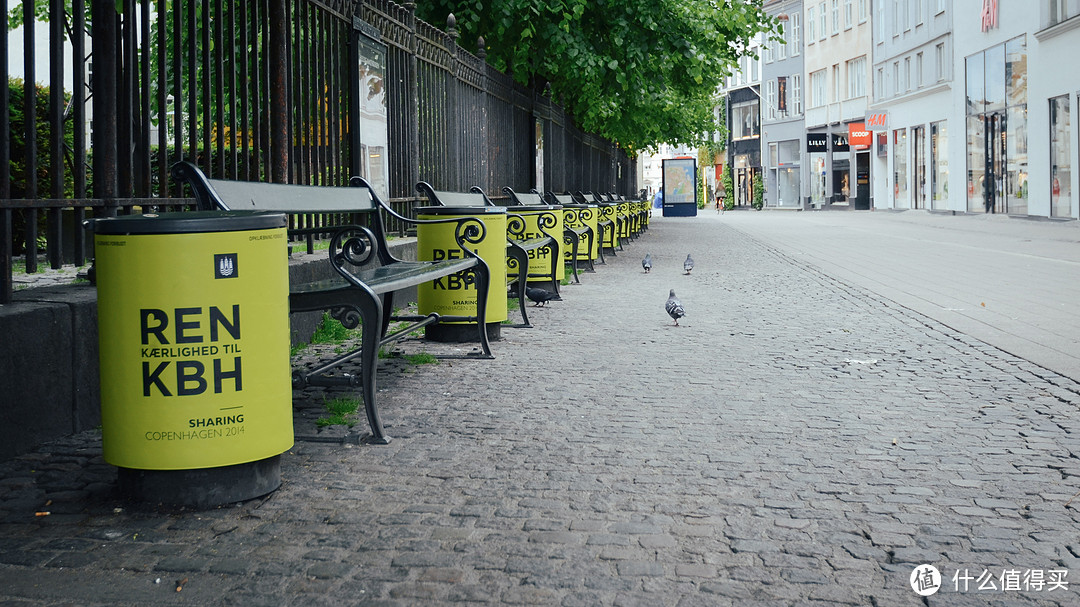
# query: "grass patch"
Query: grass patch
{"points": [[423, 358], [298, 348], [331, 331], [342, 411]]}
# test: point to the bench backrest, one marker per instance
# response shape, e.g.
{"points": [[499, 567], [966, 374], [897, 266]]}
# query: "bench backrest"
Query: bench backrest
{"points": [[225, 195], [563, 199], [443, 198], [257, 196], [354, 201], [524, 198]]}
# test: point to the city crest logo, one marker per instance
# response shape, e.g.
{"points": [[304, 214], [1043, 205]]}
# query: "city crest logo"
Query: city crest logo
{"points": [[225, 266]]}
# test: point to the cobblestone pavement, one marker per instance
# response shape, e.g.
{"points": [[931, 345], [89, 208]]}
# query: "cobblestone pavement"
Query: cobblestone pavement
{"points": [[796, 441]]}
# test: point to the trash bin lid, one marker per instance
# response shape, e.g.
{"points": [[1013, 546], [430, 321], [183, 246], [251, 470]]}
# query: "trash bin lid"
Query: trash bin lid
{"points": [[189, 223], [534, 207], [460, 210]]}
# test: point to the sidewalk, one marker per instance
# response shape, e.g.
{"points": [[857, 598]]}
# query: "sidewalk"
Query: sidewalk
{"points": [[770, 450]]}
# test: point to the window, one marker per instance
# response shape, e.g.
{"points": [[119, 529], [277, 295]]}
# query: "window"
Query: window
{"points": [[880, 21], [1060, 158], [896, 78], [796, 34], [939, 60], [745, 120], [864, 11], [817, 88], [897, 18], [836, 82], [900, 165], [781, 50], [856, 77], [767, 48], [823, 20], [755, 66], [919, 12], [835, 16], [907, 74], [941, 4], [770, 98], [810, 37], [796, 93], [918, 71], [879, 84], [849, 13], [939, 160]]}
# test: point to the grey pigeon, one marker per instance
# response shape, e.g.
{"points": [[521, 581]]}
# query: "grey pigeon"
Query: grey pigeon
{"points": [[541, 296], [688, 264], [674, 307], [647, 263]]}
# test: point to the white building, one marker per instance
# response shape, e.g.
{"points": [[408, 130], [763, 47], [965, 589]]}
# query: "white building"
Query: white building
{"points": [[783, 131], [914, 88], [972, 108], [838, 42]]}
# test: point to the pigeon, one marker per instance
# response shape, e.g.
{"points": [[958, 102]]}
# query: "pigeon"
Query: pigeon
{"points": [[674, 307], [540, 296], [647, 263], [688, 264]]}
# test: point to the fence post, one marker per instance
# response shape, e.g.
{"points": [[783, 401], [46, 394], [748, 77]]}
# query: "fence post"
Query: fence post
{"points": [[54, 246], [5, 175], [457, 120], [279, 91], [485, 118], [104, 84], [413, 119]]}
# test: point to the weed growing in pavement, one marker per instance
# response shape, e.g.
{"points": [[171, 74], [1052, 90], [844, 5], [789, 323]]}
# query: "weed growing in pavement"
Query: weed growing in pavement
{"points": [[423, 358], [341, 410]]}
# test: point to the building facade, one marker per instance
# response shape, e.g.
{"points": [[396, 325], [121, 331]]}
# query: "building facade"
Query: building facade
{"points": [[743, 104], [783, 134], [914, 87], [837, 45], [972, 110]]}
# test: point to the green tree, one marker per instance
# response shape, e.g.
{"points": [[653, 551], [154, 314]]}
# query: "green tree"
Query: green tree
{"points": [[640, 72]]}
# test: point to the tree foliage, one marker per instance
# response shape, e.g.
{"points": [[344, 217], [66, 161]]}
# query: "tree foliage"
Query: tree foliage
{"points": [[640, 72]]}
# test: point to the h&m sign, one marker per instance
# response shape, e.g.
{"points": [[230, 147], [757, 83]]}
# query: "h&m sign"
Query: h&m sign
{"points": [[876, 121]]}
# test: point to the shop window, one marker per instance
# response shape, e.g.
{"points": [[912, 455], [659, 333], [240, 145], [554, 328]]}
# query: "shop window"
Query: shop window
{"points": [[900, 169], [939, 161], [1060, 158]]}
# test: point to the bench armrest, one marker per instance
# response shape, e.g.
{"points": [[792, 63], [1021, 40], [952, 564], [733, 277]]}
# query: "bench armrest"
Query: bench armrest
{"points": [[469, 230]]}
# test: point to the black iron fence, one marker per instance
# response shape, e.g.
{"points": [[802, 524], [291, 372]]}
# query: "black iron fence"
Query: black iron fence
{"points": [[270, 90]]}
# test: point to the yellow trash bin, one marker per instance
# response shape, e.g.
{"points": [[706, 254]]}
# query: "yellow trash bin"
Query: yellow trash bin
{"points": [[455, 295], [194, 346]]}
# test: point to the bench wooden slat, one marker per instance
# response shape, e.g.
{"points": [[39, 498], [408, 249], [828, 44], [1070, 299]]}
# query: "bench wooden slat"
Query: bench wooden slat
{"points": [[388, 279]]}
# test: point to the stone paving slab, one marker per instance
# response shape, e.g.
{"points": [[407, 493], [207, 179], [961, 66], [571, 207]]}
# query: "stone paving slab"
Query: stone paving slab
{"points": [[796, 441]]}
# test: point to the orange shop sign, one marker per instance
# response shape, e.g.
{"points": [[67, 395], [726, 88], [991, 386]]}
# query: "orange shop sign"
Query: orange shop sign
{"points": [[859, 137]]}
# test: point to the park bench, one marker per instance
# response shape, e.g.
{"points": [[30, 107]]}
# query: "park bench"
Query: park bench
{"points": [[607, 223], [579, 215], [520, 246], [572, 235], [366, 275]]}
